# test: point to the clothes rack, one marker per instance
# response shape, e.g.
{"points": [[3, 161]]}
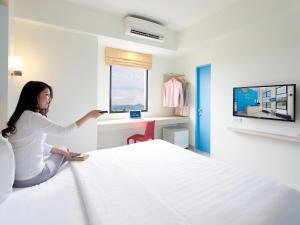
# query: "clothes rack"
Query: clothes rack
{"points": [[176, 94], [170, 76]]}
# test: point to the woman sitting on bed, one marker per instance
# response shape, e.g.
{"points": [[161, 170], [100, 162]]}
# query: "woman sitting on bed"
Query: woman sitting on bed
{"points": [[27, 130]]}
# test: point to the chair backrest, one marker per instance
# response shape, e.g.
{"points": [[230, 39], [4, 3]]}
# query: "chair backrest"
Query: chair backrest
{"points": [[149, 131]]}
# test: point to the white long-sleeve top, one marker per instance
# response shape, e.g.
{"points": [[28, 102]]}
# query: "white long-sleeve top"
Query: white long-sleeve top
{"points": [[28, 142]]}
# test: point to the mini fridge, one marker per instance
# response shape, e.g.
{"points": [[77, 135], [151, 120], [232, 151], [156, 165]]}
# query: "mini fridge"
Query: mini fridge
{"points": [[177, 136]]}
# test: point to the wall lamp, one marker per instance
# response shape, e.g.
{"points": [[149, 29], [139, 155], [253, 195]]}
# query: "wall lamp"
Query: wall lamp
{"points": [[16, 66]]}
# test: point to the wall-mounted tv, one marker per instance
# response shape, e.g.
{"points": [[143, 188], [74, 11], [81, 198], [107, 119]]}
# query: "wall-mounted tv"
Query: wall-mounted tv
{"points": [[274, 102]]}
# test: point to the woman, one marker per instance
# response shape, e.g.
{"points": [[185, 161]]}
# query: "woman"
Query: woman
{"points": [[27, 130]]}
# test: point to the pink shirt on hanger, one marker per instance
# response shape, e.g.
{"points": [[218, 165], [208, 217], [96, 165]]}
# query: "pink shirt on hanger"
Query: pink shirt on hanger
{"points": [[173, 94]]}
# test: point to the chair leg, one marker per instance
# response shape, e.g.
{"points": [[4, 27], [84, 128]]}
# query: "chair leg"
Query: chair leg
{"points": [[134, 141], [128, 141]]}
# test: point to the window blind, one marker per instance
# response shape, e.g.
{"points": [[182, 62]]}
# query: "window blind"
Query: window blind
{"points": [[127, 58]]}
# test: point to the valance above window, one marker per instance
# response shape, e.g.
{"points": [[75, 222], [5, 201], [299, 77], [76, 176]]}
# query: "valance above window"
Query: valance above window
{"points": [[127, 58]]}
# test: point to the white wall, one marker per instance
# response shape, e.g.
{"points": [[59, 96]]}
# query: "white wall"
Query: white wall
{"points": [[238, 15], [68, 62], [3, 64], [72, 16], [265, 52]]}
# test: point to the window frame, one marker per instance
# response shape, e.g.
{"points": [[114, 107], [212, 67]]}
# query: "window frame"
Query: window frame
{"points": [[110, 84], [280, 94]]}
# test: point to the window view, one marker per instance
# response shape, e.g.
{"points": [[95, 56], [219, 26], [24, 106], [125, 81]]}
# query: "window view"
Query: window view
{"points": [[128, 89]]}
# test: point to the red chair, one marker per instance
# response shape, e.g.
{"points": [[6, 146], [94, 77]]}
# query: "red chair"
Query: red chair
{"points": [[149, 133]]}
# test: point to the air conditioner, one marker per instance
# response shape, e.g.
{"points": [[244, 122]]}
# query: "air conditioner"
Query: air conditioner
{"points": [[144, 29]]}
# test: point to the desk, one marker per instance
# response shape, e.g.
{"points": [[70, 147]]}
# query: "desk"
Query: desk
{"points": [[138, 123], [112, 133]]}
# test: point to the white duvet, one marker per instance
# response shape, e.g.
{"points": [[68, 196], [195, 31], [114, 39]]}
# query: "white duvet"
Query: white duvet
{"points": [[152, 183], [54, 202]]}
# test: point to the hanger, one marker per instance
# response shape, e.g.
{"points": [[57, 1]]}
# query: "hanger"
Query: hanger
{"points": [[173, 76]]}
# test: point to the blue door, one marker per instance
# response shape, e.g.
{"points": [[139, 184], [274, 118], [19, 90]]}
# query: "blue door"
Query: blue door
{"points": [[202, 139]]}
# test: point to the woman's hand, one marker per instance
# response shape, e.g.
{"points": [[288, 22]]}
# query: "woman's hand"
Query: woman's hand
{"points": [[94, 114], [69, 154], [61, 152]]}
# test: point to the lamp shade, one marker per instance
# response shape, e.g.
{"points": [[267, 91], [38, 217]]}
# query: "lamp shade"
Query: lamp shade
{"points": [[17, 65]]}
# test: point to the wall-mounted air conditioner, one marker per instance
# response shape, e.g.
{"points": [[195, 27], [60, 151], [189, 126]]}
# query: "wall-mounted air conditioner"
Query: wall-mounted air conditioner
{"points": [[144, 29]]}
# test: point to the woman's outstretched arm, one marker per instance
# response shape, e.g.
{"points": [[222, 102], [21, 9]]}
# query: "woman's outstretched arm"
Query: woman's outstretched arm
{"points": [[94, 114], [43, 124]]}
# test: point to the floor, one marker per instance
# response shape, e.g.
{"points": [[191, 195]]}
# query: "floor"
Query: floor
{"points": [[192, 148]]}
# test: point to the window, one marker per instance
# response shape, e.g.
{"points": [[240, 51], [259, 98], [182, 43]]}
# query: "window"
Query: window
{"points": [[128, 89], [267, 94], [266, 105], [281, 98], [281, 90], [281, 105]]}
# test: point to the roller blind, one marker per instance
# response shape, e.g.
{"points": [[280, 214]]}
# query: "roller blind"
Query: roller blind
{"points": [[127, 58]]}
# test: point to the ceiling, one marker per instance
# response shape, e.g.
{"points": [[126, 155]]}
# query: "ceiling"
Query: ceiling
{"points": [[175, 15]]}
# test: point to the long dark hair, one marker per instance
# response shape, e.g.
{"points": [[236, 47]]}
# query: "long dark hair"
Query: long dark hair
{"points": [[28, 100]]}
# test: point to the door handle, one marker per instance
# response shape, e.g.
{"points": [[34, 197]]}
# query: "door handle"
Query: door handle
{"points": [[200, 111]]}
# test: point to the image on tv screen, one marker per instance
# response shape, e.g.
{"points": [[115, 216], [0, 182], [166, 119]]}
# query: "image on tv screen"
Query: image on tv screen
{"points": [[267, 102]]}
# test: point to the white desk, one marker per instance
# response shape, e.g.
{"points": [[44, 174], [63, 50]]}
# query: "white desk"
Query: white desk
{"points": [[120, 124], [112, 133]]}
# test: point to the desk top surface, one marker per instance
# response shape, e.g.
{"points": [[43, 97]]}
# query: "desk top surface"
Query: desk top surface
{"points": [[145, 119]]}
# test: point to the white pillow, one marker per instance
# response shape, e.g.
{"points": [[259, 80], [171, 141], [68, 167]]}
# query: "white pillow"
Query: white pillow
{"points": [[7, 168]]}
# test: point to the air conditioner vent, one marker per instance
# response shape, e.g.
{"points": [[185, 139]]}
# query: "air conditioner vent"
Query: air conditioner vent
{"points": [[145, 34]]}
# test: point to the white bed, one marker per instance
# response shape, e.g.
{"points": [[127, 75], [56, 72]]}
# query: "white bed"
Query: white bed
{"points": [[152, 183]]}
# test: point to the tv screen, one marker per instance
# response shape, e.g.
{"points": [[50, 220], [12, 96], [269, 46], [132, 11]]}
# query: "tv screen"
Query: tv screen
{"points": [[274, 102]]}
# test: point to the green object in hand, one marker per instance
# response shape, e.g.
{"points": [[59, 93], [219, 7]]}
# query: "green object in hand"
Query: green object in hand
{"points": [[80, 155]]}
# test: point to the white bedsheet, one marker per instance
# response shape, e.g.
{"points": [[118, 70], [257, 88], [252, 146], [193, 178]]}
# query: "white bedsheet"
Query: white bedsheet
{"points": [[205, 191], [55, 202], [152, 183], [114, 197]]}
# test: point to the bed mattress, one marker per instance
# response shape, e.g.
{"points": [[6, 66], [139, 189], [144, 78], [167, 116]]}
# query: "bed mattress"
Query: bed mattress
{"points": [[152, 183]]}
